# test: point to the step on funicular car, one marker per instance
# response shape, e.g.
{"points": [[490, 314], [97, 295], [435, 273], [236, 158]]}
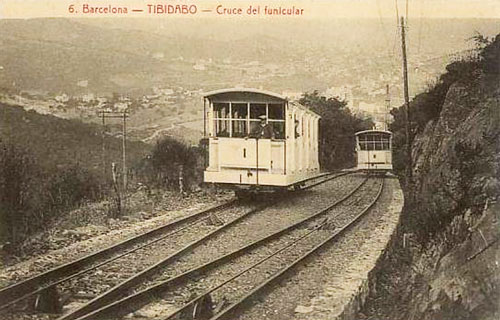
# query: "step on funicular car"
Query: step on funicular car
{"points": [[259, 140]]}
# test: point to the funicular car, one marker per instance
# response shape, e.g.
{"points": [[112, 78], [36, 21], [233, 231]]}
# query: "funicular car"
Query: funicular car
{"points": [[259, 140], [373, 148]]}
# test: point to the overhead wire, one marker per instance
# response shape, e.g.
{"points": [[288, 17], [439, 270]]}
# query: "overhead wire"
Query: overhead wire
{"points": [[397, 27], [397, 12], [383, 30], [407, 11], [422, 5], [407, 40], [381, 22]]}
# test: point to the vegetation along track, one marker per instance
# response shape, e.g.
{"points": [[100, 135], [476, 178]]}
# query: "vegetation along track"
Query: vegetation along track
{"points": [[217, 271], [64, 275]]}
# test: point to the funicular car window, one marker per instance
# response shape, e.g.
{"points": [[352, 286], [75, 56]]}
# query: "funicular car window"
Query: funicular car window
{"points": [[256, 110], [276, 112], [221, 119], [374, 141], [366, 142], [235, 120], [377, 141], [221, 110], [279, 129], [239, 115], [362, 142], [386, 145], [221, 128]]}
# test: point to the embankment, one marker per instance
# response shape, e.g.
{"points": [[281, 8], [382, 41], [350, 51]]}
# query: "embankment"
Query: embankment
{"points": [[442, 261]]}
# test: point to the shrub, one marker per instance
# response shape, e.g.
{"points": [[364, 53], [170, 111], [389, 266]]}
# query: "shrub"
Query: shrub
{"points": [[31, 196], [163, 166]]}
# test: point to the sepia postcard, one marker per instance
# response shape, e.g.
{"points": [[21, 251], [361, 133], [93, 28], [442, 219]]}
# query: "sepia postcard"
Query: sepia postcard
{"points": [[249, 159]]}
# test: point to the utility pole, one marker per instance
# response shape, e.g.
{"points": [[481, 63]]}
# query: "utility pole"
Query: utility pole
{"points": [[103, 144], [124, 150], [407, 102], [387, 107], [118, 115]]}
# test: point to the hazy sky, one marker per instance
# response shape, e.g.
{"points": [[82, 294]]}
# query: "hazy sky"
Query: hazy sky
{"points": [[312, 8]]}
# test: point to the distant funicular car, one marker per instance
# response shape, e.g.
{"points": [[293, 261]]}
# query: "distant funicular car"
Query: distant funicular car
{"points": [[259, 140], [373, 149]]}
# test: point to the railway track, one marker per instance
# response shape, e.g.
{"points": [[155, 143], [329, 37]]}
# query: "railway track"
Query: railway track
{"points": [[286, 235], [38, 284], [66, 273], [122, 289], [312, 247]]}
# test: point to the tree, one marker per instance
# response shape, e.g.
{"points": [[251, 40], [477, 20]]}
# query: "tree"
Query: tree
{"points": [[337, 128]]}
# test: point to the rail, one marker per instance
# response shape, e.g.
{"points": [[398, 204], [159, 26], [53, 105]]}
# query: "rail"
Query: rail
{"points": [[37, 284], [134, 301]]}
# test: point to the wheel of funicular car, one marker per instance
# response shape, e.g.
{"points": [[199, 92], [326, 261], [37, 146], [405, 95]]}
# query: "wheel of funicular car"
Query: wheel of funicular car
{"points": [[297, 187]]}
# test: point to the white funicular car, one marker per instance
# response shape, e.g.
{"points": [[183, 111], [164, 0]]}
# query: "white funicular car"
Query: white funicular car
{"points": [[259, 140], [374, 150]]}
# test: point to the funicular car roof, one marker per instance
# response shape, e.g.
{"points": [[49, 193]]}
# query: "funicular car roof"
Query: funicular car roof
{"points": [[252, 95], [244, 93], [373, 131]]}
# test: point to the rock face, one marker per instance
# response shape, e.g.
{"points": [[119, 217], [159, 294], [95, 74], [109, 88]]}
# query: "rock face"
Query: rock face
{"points": [[441, 263]]}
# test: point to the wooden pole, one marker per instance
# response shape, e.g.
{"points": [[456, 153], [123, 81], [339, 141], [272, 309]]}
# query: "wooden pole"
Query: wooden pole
{"points": [[181, 179], [103, 145], [387, 107], [205, 138], [407, 103], [117, 191], [124, 171], [257, 159], [118, 115], [124, 150]]}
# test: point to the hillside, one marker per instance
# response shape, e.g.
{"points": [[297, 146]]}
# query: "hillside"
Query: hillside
{"points": [[62, 143], [131, 56], [49, 166], [55, 55], [442, 261], [159, 68]]}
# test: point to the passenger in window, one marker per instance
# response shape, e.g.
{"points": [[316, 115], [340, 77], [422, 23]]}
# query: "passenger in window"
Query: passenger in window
{"points": [[264, 130]]}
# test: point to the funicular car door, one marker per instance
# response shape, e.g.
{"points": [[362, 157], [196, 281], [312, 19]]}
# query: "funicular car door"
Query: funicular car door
{"points": [[251, 156]]}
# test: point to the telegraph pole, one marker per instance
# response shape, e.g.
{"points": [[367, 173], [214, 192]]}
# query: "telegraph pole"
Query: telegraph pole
{"points": [[387, 107], [117, 115], [103, 144], [124, 150], [407, 102]]}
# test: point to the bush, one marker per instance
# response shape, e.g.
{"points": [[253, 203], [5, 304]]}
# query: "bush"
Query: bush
{"points": [[163, 166], [31, 196], [72, 186]]}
